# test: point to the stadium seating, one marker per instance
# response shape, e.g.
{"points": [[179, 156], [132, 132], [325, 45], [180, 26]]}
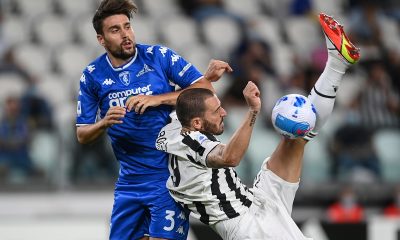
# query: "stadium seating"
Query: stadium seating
{"points": [[53, 31], [306, 29], [15, 30], [11, 85], [241, 8], [316, 162], [73, 68], [222, 34], [387, 144], [36, 59], [179, 33], [75, 8]]}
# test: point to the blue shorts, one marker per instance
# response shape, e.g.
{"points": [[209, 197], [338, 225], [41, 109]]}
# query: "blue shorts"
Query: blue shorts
{"points": [[146, 209]]}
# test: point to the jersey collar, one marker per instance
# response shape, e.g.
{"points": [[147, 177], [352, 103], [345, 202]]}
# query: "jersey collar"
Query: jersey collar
{"points": [[125, 65]]}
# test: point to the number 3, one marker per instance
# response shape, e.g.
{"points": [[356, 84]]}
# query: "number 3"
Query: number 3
{"points": [[170, 217]]}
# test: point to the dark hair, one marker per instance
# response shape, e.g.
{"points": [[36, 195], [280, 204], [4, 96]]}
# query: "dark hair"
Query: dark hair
{"points": [[112, 7], [191, 104]]}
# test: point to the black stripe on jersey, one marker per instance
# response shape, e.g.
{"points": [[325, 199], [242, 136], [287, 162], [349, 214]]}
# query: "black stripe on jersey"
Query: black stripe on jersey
{"points": [[186, 208], [204, 217], [210, 137], [193, 160], [231, 184], [193, 144], [176, 176], [244, 186], [223, 203]]}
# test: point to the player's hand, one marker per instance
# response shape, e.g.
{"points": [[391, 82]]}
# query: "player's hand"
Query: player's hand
{"points": [[114, 116], [215, 70], [252, 95], [139, 103]]}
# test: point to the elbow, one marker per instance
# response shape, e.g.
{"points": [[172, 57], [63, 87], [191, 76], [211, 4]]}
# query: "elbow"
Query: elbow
{"points": [[81, 140], [232, 161], [235, 163], [203, 83]]}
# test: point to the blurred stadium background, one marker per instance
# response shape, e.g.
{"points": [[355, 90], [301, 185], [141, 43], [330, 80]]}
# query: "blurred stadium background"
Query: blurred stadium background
{"points": [[53, 188]]}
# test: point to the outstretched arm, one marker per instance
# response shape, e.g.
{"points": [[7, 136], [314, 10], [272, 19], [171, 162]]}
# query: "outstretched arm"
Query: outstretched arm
{"points": [[140, 103], [231, 154]]}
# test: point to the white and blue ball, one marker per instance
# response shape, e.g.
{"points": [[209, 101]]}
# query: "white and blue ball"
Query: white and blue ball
{"points": [[294, 116]]}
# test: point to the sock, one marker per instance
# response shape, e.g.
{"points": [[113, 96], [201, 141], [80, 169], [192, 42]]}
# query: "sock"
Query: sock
{"points": [[324, 91]]}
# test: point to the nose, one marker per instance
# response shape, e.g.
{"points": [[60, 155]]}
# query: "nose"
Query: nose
{"points": [[223, 112], [124, 34]]}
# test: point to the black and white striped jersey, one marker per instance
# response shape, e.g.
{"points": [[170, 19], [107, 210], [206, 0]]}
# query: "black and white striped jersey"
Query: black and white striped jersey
{"points": [[210, 194]]}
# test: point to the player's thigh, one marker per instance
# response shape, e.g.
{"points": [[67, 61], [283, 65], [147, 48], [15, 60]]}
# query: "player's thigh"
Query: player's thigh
{"points": [[129, 219], [168, 219], [260, 222], [269, 185], [229, 229]]}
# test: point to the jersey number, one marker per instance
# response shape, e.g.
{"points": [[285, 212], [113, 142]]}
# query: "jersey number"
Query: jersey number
{"points": [[170, 217]]}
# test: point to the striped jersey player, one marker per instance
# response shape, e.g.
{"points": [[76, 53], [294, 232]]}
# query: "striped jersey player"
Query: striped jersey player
{"points": [[202, 178], [211, 194]]}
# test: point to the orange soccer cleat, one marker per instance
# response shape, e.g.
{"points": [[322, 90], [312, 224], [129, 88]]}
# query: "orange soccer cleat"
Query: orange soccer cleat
{"points": [[336, 35]]}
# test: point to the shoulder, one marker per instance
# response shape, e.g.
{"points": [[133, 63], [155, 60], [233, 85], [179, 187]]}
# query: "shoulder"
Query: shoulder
{"points": [[197, 136], [96, 67], [154, 51], [170, 136]]}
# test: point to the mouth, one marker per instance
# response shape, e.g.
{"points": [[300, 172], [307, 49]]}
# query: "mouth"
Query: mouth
{"points": [[127, 44]]}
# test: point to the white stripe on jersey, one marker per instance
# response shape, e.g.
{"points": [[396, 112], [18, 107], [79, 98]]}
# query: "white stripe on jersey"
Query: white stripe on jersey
{"points": [[210, 194]]}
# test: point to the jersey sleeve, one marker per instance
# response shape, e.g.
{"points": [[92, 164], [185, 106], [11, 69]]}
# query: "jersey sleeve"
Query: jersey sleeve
{"points": [[199, 146], [177, 69], [88, 103]]}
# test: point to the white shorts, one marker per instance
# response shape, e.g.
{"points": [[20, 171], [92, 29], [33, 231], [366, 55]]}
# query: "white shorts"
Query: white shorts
{"points": [[269, 217]]}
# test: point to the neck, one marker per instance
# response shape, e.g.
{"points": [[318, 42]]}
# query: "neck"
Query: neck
{"points": [[186, 129], [117, 62]]}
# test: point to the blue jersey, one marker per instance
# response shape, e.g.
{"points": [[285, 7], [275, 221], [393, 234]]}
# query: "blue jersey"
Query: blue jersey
{"points": [[153, 70]]}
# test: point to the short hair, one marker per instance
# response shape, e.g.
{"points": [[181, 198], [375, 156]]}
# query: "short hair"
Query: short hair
{"points": [[109, 8], [191, 104]]}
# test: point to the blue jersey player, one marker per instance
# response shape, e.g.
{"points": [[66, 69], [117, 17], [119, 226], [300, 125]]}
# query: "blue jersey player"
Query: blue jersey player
{"points": [[132, 89]]}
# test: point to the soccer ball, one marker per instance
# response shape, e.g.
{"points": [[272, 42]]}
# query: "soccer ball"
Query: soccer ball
{"points": [[293, 116]]}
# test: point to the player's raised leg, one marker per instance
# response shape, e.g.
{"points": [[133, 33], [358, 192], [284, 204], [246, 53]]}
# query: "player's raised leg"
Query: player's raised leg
{"points": [[286, 161], [341, 55]]}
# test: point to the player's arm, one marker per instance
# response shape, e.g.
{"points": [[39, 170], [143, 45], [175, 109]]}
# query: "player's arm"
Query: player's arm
{"points": [[230, 155], [89, 133], [140, 103]]}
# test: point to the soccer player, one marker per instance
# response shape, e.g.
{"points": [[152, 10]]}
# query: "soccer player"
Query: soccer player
{"points": [[203, 178], [132, 87]]}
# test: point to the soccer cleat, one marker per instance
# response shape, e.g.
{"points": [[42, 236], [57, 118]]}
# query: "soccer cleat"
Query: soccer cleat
{"points": [[336, 35]]}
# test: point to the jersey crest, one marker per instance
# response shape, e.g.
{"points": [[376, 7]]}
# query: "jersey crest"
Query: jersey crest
{"points": [[125, 78]]}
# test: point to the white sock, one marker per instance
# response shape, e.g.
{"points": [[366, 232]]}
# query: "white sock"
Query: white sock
{"points": [[324, 91]]}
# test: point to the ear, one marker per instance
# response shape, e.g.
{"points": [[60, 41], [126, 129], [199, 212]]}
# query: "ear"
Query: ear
{"points": [[100, 39], [197, 123]]}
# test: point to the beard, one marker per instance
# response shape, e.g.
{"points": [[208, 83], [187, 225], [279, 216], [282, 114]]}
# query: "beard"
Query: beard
{"points": [[120, 53], [213, 128]]}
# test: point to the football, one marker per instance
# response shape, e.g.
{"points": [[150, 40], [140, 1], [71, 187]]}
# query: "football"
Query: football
{"points": [[293, 116]]}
